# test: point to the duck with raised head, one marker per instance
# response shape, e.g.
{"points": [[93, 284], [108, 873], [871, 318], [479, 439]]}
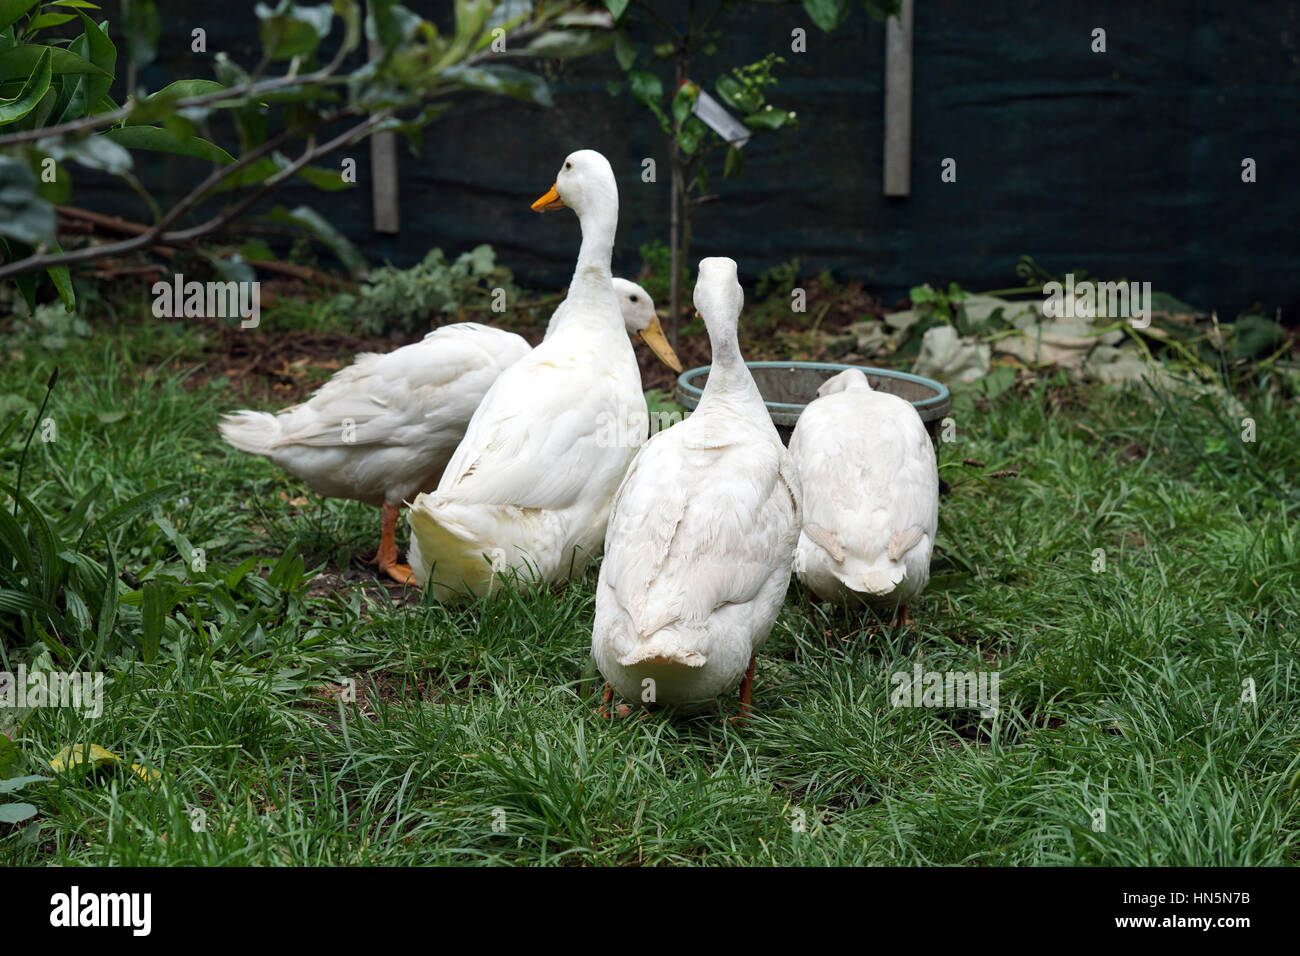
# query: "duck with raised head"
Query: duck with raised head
{"points": [[528, 491], [702, 534]]}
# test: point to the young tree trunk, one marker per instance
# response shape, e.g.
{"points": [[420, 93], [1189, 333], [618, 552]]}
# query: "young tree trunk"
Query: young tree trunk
{"points": [[679, 204], [674, 269], [688, 212]]}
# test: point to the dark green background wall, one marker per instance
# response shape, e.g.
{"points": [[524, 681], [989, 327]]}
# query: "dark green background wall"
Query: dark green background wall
{"points": [[1124, 163]]}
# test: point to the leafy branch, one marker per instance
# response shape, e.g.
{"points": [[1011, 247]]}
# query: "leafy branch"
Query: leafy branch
{"points": [[62, 110]]}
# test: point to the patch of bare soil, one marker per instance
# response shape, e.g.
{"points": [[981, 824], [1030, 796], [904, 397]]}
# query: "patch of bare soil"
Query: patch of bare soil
{"points": [[282, 367]]}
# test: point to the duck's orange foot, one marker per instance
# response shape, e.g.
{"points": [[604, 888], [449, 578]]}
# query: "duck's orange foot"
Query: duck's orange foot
{"points": [[401, 573], [620, 709], [746, 688]]}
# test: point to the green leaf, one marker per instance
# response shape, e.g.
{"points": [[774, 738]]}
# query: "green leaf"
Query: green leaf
{"points": [[142, 27], [261, 170], [882, 9], [90, 88], [310, 220], [767, 119], [24, 215], [95, 152], [997, 381], [17, 783], [503, 81], [102, 51], [254, 173], [350, 12], [390, 23], [20, 602], [47, 20], [62, 280], [153, 615], [624, 50], [56, 190], [734, 95], [108, 603], [232, 268], [48, 546], [130, 509], [827, 14], [21, 60], [11, 10], [616, 7], [10, 755], [325, 179], [734, 164], [290, 30], [36, 86], [14, 539], [27, 282], [689, 138], [185, 89], [1253, 335], [684, 101], [16, 812], [163, 141], [413, 128], [569, 44], [646, 87], [255, 250]]}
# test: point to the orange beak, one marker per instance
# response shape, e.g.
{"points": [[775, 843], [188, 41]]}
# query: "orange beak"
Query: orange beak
{"points": [[548, 202]]}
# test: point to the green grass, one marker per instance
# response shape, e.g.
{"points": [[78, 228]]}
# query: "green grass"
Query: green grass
{"points": [[474, 736]]}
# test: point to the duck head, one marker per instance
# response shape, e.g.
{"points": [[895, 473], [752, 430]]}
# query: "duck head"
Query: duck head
{"points": [[718, 298], [643, 322], [851, 378], [585, 183]]}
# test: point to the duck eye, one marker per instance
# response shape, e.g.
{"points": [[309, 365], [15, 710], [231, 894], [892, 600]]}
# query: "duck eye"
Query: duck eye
{"points": [[568, 165], [633, 298]]}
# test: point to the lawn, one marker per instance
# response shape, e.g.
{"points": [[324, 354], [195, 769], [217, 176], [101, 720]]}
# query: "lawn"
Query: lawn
{"points": [[294, 710]]}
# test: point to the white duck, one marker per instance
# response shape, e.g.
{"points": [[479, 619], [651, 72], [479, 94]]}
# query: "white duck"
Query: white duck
{"points": [[700, 541], [871, 495], [640, 320], [528, 491], [383, 429]]}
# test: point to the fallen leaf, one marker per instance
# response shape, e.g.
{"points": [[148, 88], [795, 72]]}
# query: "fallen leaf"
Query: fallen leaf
{"points": [[75, 755], [146, 774]]}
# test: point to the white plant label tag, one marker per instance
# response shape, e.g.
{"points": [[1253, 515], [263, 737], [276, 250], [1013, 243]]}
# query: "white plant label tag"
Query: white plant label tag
{"points": [[715, 116]]}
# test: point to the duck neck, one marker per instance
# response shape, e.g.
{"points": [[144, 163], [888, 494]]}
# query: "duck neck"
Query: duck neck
{"points": [[729, 376], [591, 298]]}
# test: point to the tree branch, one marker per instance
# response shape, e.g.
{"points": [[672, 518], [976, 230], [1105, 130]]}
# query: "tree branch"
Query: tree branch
{"points": [[37, 262], [360, 130], [320, 77]]}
